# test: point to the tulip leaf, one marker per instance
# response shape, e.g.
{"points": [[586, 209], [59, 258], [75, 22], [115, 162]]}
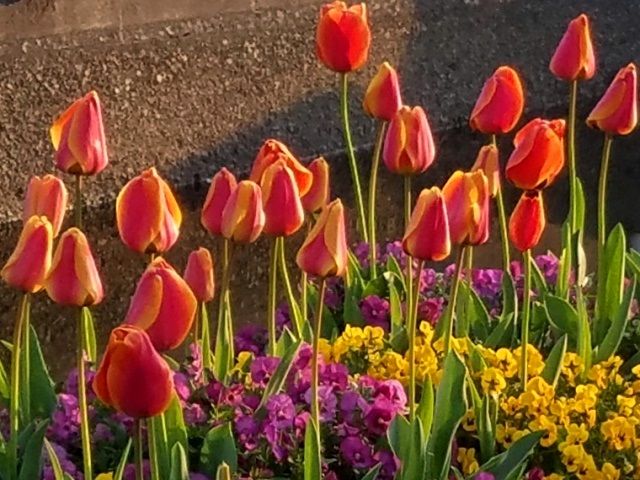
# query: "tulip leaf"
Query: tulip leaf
{"points": [[351, 310], [633, 263], [486, 428], [58, 474], [394, 267], [279, 377], [553, 364], [562, 315], [501, 334], [630, 363], [610, 286], [378, 286], [205, 343], [426, 406], [509, 297], [158, 435], [4, 386], [539, 282], [472, 308], [395, 309], [219, 446], [613, 337], [507, 465], [89, 335], [312, 455], [123, 461], [223, 347], [407, 440], [31, 466], [179, 467], [43, 395], [174, 426], [372, 474], [224, 473]]}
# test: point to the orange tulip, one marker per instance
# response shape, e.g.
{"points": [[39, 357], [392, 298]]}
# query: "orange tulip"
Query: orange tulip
{"points": [[163, 305], [538, 155], [466, 197], [281, 201], [617, 111], [148, 214], [243, 217], [272, 151], [222, 184], [343, 36], [574, 58], [46, 196], [199, 274], [133, 378], [324, 251], [408, 146], [73, 278], [487, 162], [29, 264], [382, 99], [319, 194], [500, 103], [78, 137], [427, 236], [527, 221]]}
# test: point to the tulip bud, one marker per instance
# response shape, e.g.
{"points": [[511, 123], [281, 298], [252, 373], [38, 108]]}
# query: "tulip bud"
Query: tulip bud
{"points": [[163, 305], [617, 111], [319, 194], [487, 162], [148, 214], [78, 137], [427, 235], [467, 200], [222, 184], [281, 201], [343, 36], [538, 155], [408, 146], [46, 196], [243, 217], [29, 264], [382, 99], [500, 103], [73, 278], [133, 378], [272, 151], [324, 251], [574, 58], [199, 274], [527, 221]]}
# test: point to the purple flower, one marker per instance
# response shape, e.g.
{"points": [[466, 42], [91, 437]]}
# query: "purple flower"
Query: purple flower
{"points": [[102, 433], [379, 416], [130, 471], [390, 463], [280, 411], [431, 309], [393, 391], [487, 282], [181, 382], [535, 473], [67, 465], [351, 406], [549, 266], [356, 452], [194, 414], [194, 367], [361, 251], [65, 420], [262, 368], [334, 374], [251, 338], [484, 476], [394, 249], [247, 428], [375, 311], [428, 279], [327, 400]]}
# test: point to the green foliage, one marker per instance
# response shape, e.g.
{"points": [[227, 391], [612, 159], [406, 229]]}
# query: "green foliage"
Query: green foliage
{"points": [[312, 454], [610, 286], [219, 447]]}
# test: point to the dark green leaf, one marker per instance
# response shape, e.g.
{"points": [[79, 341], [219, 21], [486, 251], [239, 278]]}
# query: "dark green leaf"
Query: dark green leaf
{"points": [[610, 282], [501, 334], [219, 446], [312, 458], [351, 309], [31, 466], [276, 382], [123, 461], [562, 315], [43, 395], [173, 423], [426, 406], [179, 467], [505, 465], [614, 335], [553, 365]]}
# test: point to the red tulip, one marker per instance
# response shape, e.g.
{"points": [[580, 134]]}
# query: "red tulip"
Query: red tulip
{"points": [[500, 103], [574, 58], [527, 221], [343, 36], [272, 151], [617, 111], [29, 264], [163, 305], [408, 146], [199, 274], [324, 253], [467, 200], [427, 235], [538, 155], [243, 217], [382, 99], [133, 378], [222, 184], [148, 214], [46, 196], [319, 194], [281, 201], [488, 162], [73, 278], [78, 137]]}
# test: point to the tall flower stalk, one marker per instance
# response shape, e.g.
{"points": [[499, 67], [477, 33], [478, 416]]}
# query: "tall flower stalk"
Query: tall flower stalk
{"points": [[447, 321], [373, 188], [502, 217], [526, 314]]}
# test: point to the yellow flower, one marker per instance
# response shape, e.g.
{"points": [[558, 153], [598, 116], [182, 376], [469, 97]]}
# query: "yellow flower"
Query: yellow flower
{"points": [[560, 411], [586, 398], [576, 435], [467, 459], [105, 476], [586, 468], [389, 366], [507, 434], [553, 476], [636, 371], [572, 366], [620, 432], [544, 423], [511, 407], [573, 457], [535, 362], [427, 330], [373, 337], [469, 421], [609, 472], [505, 361], [626, 405], [534, 403], [325, 349], [492, 381]]}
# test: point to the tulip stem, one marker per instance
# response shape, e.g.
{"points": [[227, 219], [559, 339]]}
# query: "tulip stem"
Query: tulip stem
{"points": [[77, 208], [451, 307], [137, 448], [526, 310], [353, 165], [14, 405], [224, 340], [82, 400], [271, 305], [502, 219], [571, 153], [463, 320], [315, 407], [602, 196], [153, 449], [413, 321], [373, 186], [294, 309], [25, 366], [407, 216]]}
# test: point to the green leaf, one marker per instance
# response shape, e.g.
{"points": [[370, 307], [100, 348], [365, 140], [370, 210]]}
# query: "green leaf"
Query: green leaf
{"points": [[562, 315], [407, 440], [472, 308], [224, 472], [89, 331], [287, 338], [400, 341], [205, 345], [394, 267], [4, 386], [43, 395], [277, 380], [633, 263], [610, 286], [425, 408], [173, 424], [31, 466], [355, 277], [395, 309], [501, 334], [158, 435], [372, 474], [377, 286], [223, 350], [312, 458], [553, 365], [58, 474], [629, 364], [539, 281], [614, 335], [351, 309], [219, 446], [579, 202], [486, 429], [451, 405], [508, 464], [179, 467], [565, 263], [123, 461], [509, 297]]}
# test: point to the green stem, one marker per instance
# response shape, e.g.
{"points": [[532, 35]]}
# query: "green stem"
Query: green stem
{"points": [[451, 307], [373, 187], [502, 219], [77, 208], [304, 280], [526, 309], [85, 430], [353, 165], [137, 448], [602, 195], [291, 298], [571, 153], [153, 449], [271, 299], [25, 366], [14, 405], [413, 320], [223, 306], [407, 216], [315, 406]]}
